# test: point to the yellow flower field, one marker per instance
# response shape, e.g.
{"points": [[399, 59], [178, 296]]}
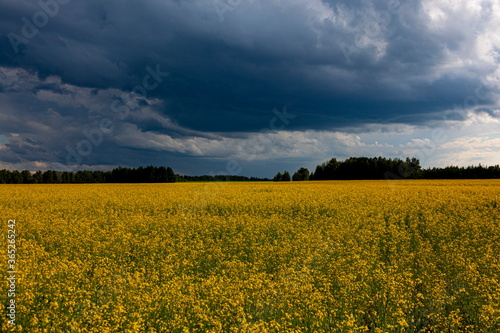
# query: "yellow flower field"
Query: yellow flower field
{"points": [[353, 256]]}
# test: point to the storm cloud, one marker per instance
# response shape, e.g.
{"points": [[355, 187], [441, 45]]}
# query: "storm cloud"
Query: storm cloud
{"points": [[195, 84]]}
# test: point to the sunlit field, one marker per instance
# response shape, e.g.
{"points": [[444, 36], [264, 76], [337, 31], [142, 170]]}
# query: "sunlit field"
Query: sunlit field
{"points": [[360, 256]]}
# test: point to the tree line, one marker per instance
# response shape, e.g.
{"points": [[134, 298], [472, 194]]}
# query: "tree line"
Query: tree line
{"points": [[471, 172], [220, 178], [350, 169], [148, 174], [355, 168]]}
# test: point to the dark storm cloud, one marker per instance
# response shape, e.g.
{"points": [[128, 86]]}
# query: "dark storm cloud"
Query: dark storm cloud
{"points": [[335, 65], [226, 75]]}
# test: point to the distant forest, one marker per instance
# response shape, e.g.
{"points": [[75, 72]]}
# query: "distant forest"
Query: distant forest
{"points": [[386, 168], [351, 169], [148, 174]]}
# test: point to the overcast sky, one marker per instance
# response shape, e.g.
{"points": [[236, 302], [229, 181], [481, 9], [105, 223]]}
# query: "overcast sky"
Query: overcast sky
{"points": [[247, 87]]}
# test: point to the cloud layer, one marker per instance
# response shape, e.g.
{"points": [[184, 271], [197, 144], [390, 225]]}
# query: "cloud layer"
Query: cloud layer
{"points": [[358, 77]]}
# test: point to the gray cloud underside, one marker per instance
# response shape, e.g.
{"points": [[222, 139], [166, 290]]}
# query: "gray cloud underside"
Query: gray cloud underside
{"points": [[68, 115]]}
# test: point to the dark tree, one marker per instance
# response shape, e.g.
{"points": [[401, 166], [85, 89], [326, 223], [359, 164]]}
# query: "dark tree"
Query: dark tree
{"points": [[278, 177], [16, 177], [286, 176], [301, 175], [27, 177], [170, 175], [326, 170], [368, 168], [48, 177], [38, 177], [5, 176]]}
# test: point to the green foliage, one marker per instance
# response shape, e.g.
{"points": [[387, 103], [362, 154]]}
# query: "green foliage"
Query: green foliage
{"points": [[286, 176], [368, 168], [278, 177], [301, 175], [148, 174]]}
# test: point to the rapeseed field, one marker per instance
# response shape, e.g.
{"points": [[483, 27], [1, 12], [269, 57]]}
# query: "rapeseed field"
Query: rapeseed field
{"points": [[351, 256]]}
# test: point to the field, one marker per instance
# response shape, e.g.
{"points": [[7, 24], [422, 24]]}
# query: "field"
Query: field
{"points": [[360, 256]]}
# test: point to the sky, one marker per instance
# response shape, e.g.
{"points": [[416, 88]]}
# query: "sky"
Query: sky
{"points": [[247, 87]]}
